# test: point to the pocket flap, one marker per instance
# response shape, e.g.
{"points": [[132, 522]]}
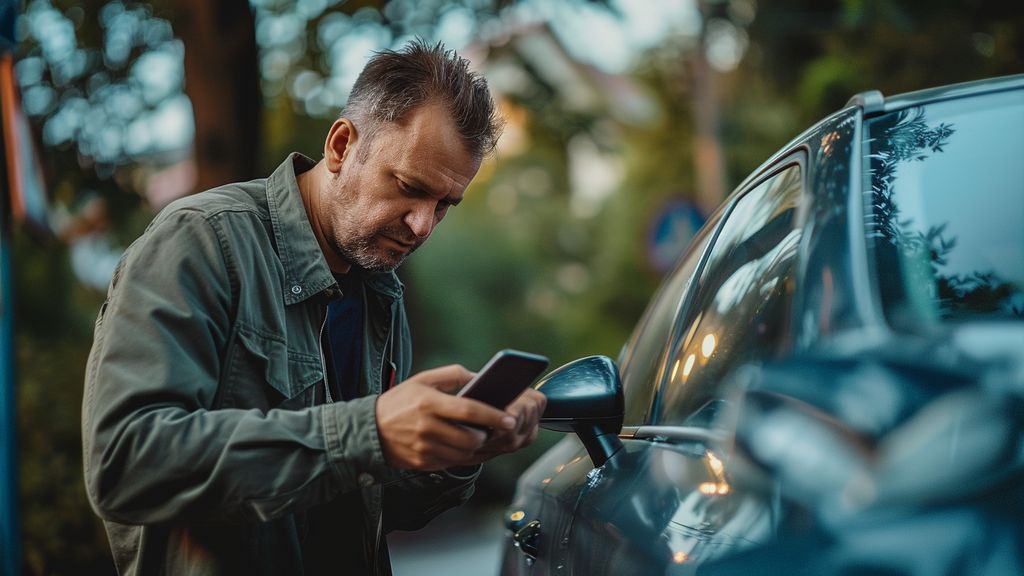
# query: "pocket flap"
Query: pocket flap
{"points": [[286, 371]]}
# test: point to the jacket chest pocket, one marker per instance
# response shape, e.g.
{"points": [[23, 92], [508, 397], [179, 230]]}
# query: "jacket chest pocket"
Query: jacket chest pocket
{"points": [[263, 373]]}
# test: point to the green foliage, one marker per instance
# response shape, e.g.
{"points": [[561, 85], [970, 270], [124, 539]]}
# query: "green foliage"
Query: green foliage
{"points": [[826, 52], [61, 535], [53, 326], [88, 100], [514, 265]]}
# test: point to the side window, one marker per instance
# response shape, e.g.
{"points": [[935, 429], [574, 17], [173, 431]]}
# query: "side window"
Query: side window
{"points": [[945, 186], [741, 309], [641, 360]]}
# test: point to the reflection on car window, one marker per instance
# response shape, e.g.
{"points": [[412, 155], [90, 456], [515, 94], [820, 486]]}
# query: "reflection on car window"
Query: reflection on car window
{"points": [[640, 363], [947, 209], [742, 307]]}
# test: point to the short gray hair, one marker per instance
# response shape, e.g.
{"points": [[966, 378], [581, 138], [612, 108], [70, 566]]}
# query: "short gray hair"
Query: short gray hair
{"points": [[396, 81]]}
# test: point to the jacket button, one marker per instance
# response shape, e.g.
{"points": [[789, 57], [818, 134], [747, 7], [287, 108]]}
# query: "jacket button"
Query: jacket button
{"points": [[365, 479], [296, 289]]}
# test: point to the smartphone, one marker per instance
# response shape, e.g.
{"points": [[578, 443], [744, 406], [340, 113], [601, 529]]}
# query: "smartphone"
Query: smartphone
{"points": [[504, 377]]}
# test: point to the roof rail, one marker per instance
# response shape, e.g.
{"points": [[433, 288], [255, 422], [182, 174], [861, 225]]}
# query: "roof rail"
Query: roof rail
{"points": [[870, 101]]}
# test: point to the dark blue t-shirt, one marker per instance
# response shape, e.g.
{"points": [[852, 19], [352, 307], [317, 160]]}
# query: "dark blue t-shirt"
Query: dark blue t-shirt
{"points": [[343, 338], [342, 343]]}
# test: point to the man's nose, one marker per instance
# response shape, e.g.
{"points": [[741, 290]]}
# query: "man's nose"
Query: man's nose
{"points": [[420, 220]]}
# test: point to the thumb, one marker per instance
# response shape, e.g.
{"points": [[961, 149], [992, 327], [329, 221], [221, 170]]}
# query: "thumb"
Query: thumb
{"points": [[446, 378]]}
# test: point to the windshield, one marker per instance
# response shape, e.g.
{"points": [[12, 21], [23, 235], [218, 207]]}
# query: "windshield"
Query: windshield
{"points": [[946, 189]]}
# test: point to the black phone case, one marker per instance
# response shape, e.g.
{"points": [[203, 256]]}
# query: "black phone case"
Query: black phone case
{"points": [[504, 377]]}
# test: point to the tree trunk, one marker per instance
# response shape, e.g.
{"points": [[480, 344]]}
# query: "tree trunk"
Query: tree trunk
{"points": [[222, 80], [708, 155]]}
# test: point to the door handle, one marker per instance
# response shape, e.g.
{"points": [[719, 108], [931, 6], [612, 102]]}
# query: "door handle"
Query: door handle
{"points": [[527, 539]]}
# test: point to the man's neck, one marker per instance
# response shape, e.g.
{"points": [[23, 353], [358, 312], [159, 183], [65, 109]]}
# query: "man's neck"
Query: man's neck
{"points": [[310, 188]]}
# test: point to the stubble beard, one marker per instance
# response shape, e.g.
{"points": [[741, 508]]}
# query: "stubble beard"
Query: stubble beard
{"points": [[358, 250], [366, 253]]}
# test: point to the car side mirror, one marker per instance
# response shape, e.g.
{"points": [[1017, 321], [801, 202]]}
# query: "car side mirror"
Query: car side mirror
{"points": [[585, 397]]}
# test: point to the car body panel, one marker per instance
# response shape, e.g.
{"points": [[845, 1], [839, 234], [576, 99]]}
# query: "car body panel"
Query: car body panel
{"points": [[650, 506], [666, 503]]}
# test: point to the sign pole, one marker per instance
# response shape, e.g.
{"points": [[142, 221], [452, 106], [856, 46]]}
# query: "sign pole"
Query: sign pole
{"points": [[10, 523]]}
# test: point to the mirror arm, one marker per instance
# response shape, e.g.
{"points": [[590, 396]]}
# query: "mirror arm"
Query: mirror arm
{"points": [[601, 444], [673, 434]]}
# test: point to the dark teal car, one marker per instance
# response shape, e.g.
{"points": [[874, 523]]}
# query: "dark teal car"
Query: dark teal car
{"points": [[830, 381]]}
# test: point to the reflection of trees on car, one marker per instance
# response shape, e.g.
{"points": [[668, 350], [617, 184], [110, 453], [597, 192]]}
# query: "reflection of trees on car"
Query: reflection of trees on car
{"points": [[907, 137], [743, 295]]}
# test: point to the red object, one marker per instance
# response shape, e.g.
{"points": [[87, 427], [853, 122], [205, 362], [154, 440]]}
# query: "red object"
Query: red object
{"points": [[24, 174]]}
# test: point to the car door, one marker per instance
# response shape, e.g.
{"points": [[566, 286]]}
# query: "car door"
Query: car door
{"points": [[547, 494], [665, 501]]}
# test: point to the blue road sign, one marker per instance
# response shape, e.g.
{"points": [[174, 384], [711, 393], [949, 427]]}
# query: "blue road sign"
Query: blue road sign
{"points": [[671, 230]]}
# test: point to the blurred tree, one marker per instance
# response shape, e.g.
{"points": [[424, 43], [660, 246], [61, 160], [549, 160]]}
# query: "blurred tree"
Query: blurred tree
{"points": [[548, 253], [816, 55], [110, 86], [222, 83]]}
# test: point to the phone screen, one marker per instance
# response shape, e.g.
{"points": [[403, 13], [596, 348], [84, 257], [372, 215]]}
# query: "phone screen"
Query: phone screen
{"points": [[504, 377]]}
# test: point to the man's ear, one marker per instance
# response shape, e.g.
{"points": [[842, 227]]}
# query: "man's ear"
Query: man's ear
{"points": [[340, 143]]}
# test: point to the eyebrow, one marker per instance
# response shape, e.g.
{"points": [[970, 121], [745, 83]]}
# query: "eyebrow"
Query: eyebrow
{"points": [[418, 186]]}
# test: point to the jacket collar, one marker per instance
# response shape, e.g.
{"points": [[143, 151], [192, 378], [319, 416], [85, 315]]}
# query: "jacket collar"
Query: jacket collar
{"points": [[305, 270]]}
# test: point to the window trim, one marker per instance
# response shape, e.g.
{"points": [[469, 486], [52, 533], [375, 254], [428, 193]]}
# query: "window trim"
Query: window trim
{"points": [[797, 156], [718, 216]]}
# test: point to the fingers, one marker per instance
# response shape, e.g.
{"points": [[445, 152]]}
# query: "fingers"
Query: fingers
{"points": [[418, 425], [415, 439], [454, 435], [474, 412], [421, 427], [443, 445], [446, 378], [527, 410]]}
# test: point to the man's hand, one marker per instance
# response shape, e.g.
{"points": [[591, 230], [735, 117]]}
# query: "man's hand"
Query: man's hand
{"points": [[527, 410], [418, 421]]}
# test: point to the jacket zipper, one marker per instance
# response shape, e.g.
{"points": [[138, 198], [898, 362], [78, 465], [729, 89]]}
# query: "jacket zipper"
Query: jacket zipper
{"points": [[384, 359], [329, 400], [380, 530], [323, 362]]}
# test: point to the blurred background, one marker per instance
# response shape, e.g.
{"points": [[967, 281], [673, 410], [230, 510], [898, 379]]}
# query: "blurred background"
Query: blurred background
{"points": [[628, 121]]}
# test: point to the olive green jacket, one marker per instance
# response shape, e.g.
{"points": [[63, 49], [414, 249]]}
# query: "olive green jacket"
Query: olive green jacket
{"points": [[209, 446]]}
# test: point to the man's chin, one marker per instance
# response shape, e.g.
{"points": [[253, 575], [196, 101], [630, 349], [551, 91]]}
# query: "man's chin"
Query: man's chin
{"points": [[387, 262], [375, 257]]}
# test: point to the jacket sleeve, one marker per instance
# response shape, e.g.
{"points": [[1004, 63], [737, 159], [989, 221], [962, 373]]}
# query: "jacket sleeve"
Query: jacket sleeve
{"points": [[414, 501], [411, 499], [153, 451]]}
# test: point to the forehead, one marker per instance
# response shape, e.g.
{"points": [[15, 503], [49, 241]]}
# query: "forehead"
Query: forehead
{"points": [[425, 146]]}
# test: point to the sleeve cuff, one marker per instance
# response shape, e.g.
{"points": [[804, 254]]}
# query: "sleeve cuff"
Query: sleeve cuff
{"points": [[353, 446], [464, 472]]}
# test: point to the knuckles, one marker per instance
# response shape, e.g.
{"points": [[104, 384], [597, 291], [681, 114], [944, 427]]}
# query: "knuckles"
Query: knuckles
{"points": [[463, 412], [421, 406], [420, 448]]}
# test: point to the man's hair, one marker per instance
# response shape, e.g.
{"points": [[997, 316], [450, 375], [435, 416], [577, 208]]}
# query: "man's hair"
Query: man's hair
{"points": [[397, 81]]}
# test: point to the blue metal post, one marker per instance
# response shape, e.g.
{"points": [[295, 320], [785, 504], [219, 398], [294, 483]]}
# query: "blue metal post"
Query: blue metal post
{"points": [[10, 527], [10, 533]]}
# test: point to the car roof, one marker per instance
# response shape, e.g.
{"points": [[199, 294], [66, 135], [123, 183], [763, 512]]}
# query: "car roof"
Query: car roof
{"points": [[873, 102]]}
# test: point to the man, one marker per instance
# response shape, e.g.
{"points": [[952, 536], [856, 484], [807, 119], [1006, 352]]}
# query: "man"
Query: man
{"points": [[240, 413]]}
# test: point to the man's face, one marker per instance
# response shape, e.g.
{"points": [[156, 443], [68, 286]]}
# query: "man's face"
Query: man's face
{"points": [[382, 204]]}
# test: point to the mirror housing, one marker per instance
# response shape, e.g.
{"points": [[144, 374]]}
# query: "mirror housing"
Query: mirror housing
{"points": [[585, 397]]}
